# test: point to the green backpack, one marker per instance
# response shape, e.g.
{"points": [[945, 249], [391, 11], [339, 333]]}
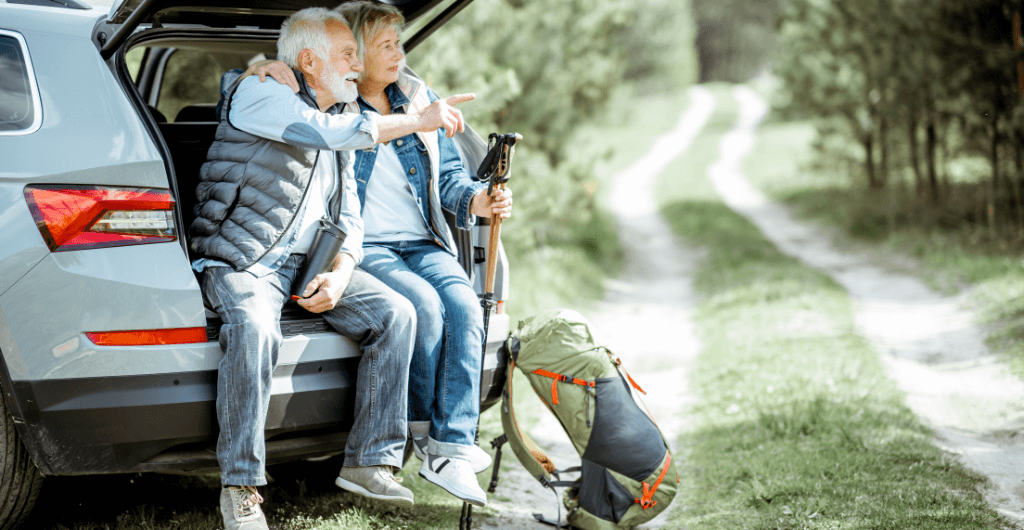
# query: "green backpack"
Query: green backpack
{"points": [[627, 475]]}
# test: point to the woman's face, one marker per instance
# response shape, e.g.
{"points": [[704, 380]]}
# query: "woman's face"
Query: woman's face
{"points": [[382, 57]]}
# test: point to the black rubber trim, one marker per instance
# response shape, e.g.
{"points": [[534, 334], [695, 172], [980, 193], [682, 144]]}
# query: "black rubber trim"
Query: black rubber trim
{"points": [[120, 69], [22, 408], [294, 321]]}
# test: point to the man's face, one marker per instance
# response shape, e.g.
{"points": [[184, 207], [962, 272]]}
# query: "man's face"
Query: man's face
{"points": [[342, 64], [383, 57]]}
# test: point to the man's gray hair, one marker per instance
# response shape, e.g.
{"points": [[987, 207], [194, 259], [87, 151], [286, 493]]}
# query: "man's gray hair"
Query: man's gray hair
{"points": [[366, 17], [306, 28]]}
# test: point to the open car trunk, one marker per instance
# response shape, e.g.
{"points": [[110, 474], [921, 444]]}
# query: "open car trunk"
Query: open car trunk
{"points": [[178, 88]]}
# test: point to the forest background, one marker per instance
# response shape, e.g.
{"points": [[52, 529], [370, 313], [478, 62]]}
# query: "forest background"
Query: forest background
{"points": [[915, 107]]}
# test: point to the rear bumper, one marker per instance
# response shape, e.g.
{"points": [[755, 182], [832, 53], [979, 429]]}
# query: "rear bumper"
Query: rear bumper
{"points": [[136, 423], [167, 422]]}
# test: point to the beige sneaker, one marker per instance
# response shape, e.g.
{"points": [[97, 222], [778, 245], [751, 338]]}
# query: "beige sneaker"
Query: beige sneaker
{"points": [[240, 507], [375, 482]]}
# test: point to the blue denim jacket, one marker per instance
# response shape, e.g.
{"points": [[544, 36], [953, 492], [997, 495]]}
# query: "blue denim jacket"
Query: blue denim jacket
{"points": [[455, 188]]}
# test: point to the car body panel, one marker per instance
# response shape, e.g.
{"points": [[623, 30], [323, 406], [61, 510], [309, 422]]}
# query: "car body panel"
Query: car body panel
{"points": [[23, 247], [69, 293], [89, 133]]}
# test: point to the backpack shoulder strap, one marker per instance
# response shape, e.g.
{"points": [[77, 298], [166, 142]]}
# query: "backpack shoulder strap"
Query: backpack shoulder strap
{"points": [[533, 458]]}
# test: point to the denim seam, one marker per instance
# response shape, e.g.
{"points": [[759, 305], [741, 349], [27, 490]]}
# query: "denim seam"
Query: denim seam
{"points": [[227, 407], [442, 430], [378, 331]]}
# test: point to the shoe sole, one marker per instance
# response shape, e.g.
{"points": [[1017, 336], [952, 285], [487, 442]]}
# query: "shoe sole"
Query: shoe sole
{"points": [[438, 480], [356, 488]]}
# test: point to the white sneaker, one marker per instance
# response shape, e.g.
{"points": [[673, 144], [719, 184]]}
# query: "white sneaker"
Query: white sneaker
{"points": [[479, 459], [456, 476]]}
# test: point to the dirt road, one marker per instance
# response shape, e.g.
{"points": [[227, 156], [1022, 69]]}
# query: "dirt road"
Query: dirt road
{"points": [[645, 319], [930, 344]]}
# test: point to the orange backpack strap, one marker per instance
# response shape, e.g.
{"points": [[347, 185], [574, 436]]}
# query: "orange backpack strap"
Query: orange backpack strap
{"points": [[645, 502], [560, 377]]}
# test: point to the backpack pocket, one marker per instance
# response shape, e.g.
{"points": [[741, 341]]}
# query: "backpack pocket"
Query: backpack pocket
{"points": [[601, 495], [623, 438]]}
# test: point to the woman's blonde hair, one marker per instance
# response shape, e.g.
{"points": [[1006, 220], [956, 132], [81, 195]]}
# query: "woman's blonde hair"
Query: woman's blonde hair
{"points": [[367, 17]]}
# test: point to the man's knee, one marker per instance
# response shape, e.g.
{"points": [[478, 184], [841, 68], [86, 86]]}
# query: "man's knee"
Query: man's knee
{"points": [[252, 334], [399, 312]]}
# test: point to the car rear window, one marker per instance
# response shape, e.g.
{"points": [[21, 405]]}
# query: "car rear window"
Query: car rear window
{"points": [[19, 107]]}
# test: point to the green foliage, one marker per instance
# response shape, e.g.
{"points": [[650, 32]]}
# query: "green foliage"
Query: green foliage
{"points": [[919, 92], [734, 38], [550, 70]]}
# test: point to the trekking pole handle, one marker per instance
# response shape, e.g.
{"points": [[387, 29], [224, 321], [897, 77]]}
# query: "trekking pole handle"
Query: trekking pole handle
{"points": [[498, 173]]}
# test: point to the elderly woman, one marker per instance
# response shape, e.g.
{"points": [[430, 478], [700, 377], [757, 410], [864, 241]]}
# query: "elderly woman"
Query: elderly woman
{"points": [[403, 186]]}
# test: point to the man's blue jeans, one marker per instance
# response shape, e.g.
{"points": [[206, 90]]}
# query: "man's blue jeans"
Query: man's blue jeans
{"points": [[444, 378], [369, 312]]}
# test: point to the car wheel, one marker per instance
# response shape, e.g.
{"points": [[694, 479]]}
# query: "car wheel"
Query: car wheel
{"points": [[21, 482]]}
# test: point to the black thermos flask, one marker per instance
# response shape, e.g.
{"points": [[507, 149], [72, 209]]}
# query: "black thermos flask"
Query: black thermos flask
{"points": [[326, 244]]}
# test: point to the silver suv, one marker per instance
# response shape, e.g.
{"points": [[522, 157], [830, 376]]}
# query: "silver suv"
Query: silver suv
{"points": [[108, 357]]}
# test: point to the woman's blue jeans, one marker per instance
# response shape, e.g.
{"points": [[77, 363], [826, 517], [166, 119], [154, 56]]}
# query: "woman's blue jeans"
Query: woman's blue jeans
{"points": [[444, 377], [370, 313]]}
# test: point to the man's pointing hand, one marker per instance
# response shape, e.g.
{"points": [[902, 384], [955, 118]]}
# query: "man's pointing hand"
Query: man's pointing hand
{"points": [[442, 113]]}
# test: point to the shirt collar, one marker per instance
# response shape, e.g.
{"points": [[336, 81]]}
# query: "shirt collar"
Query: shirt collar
{"points": [[396, 96]]}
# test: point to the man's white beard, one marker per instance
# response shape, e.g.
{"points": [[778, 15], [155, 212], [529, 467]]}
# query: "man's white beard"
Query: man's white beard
{"points": [[341, 90]]}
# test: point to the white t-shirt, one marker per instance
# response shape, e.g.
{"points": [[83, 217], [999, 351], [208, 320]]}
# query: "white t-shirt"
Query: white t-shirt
{"points": [[390, 210]]}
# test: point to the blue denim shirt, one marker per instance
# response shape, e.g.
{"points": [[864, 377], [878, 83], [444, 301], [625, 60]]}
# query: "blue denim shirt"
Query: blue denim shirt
{"points": [[456, 188]]}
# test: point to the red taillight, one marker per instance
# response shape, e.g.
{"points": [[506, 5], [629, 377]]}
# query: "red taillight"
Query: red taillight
{"points": [[500, 307], [79, 218], [148, 337]]}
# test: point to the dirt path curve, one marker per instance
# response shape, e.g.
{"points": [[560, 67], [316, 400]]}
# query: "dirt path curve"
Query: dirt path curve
{"points": [[645, 318], [929, 344]]}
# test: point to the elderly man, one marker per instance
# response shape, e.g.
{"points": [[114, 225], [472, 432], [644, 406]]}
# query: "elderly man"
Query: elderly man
{"points": [[280, 162]]}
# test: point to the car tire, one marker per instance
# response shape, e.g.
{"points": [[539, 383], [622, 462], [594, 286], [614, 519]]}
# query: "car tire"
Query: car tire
{"points": [[21, 482]]}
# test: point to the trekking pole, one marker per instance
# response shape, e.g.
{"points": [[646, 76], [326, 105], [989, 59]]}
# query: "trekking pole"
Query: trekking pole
{"points": [[496, 170]]}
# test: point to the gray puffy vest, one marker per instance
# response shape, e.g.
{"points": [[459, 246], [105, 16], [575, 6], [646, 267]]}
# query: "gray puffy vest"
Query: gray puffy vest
{"points": [[250, 188]]}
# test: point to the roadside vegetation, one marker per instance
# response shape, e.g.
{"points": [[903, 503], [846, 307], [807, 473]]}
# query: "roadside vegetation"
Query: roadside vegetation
{"points": [[910, 137], [551, 72], [954, 258], [797, 425]]}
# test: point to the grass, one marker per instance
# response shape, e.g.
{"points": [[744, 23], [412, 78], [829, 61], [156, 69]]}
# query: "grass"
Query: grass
{"points": [[951, 256], [797, 425]]}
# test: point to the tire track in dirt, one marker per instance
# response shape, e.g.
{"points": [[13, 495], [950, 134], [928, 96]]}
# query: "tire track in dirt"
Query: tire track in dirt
{"points": [[929, 344], [645, 318]]}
